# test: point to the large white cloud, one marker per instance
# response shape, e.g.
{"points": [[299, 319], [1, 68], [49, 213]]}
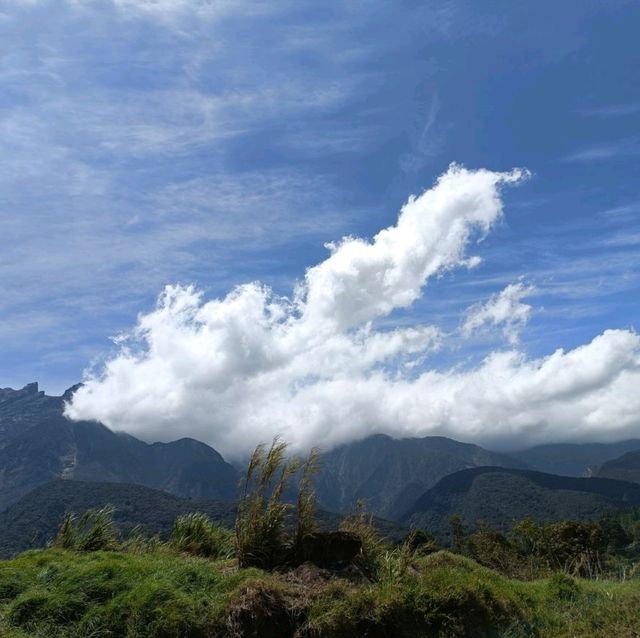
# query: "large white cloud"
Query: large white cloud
{"points": [[315, 369]]}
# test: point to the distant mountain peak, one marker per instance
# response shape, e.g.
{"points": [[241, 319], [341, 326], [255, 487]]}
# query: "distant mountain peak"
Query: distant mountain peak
{"points": [[38, 444]]}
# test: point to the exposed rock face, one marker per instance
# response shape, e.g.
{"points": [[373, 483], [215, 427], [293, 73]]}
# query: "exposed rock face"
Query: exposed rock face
{"points": [[38, 444]]}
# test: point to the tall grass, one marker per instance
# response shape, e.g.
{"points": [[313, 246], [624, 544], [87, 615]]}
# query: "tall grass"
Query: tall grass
{"points": [[262, 529], [374, 547], [196, 534], [91, 532], [261, 539], [306, 500]]}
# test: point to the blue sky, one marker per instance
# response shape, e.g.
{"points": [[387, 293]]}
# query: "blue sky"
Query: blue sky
{"points": [[177, 141]]}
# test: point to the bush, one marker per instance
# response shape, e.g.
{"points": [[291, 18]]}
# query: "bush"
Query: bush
{"points": [[492, 549], [196, 534], [562, 587]]}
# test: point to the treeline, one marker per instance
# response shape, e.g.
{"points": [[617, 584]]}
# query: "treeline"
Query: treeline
{"points": [[606, 548]]}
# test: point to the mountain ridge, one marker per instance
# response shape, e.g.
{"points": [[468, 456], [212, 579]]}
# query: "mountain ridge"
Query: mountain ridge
{"points": [[387, 473], [38, 444], [498, 496]]}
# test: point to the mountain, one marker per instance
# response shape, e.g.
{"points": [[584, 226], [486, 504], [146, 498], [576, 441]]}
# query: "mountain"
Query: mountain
{"points": [[38, 444], [624, 468], [574, 459], [498, 496], [390, 474], [35, 518]]}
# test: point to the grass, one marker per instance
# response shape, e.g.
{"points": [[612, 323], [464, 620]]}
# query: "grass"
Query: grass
{"points": [[55, 593], [196, 534], [161, 594]]}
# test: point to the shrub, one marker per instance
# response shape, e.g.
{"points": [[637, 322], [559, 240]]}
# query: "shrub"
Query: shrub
{"points": [[569, 546], [492, 549], [458, 533], [197, 534], [422, 542], [562, 587]]}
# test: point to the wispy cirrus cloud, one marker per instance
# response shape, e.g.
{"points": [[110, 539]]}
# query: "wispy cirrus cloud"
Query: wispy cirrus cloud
{"points": [[127, 161], [618, 149], [612, 110]]}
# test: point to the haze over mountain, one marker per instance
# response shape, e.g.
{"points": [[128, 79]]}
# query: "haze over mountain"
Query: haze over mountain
{"points": [[38, 444], [388, 474], [574, 459], [500, 496], [624, 468]]}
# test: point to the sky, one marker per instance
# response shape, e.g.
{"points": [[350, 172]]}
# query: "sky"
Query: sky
{"points": [[200, 216]]}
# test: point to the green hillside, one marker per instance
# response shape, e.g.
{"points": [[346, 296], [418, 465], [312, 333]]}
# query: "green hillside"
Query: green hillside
{"points": [[624, 468], [59, 594], [498, 496]]}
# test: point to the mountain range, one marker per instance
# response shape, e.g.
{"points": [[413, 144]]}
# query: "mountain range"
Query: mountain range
{"points": [[418, 481], [574, 459], [38, 444], [388, 474], [625, 468]]}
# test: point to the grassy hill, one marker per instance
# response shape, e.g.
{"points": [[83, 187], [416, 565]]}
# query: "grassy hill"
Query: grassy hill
{"points": [[498, 496], [59, 594]]}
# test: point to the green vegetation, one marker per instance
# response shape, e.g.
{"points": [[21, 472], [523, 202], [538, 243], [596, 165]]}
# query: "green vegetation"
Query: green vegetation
{"points": [[262, 533], [196, 534], [57, 593], [554, 580], [260, 525], [93, 531]]}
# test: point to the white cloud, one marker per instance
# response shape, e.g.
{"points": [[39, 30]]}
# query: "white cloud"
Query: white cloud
{"points": [[313, 367], [503, 309], [252, 353]]}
